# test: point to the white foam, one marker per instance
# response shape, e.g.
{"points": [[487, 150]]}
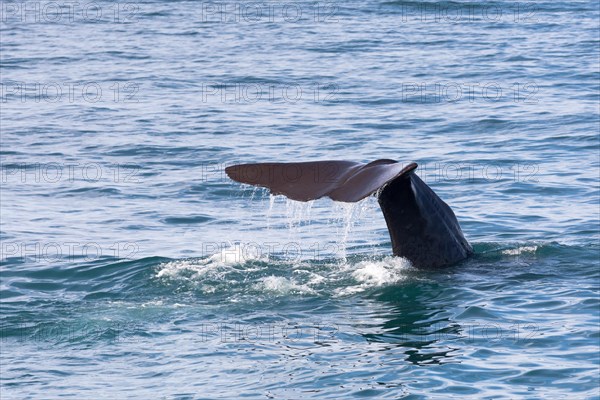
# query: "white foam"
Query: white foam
{"points": [[314, 278], [222, 270], [236, 254], [282, 285], [372, 273], [153, 303], [183, 268], [520, 250], [377, 273]]}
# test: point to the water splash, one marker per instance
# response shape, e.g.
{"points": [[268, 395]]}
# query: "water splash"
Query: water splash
{"points": [[255, 189], [351, 213], [295, 220], [272, 199], [298, 213]]}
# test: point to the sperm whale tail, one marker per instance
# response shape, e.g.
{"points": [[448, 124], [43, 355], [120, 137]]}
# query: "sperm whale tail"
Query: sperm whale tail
{"points": [[423, 229]]}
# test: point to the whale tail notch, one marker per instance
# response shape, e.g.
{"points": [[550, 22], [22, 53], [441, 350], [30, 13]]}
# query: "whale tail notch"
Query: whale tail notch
{"points": [[422, 227]]}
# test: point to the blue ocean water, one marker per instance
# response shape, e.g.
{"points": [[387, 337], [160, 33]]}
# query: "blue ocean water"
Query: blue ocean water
{"points": [[132, 267]]}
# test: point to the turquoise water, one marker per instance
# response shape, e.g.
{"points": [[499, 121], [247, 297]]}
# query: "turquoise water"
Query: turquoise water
{"points": [[131, 267]]}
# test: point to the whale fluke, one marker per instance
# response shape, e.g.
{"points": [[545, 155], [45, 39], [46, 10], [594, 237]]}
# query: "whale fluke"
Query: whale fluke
{"points": [[423, 229]]}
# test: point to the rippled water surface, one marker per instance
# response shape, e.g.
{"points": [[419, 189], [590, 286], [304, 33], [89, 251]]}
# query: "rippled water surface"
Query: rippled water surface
{"points": [[133, 268]]}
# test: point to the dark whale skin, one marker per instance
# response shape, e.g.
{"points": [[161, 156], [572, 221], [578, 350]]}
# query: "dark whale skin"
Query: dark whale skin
{"points": [[423, 228]]}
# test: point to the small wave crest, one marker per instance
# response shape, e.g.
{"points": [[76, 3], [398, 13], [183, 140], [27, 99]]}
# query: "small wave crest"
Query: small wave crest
{"points": [[227, 257], [520, 250]]}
